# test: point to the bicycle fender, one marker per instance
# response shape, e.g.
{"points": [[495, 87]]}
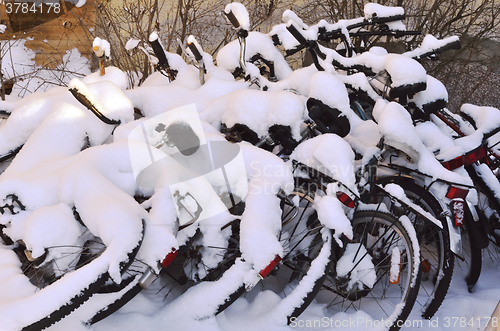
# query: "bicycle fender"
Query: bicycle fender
{"points": [[478, 235]]}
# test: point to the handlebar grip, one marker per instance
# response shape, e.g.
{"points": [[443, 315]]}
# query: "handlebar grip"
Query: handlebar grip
{"points": [[160, 53], [491, 133], [296, 34], [382, 20], [326, 35], [194, 50], [453, 45], [234, 21], [90, 106]]}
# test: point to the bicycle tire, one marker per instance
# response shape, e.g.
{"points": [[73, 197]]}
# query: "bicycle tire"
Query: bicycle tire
{"points": [[347, 299], [302, 227], [437, 258], [175, 277], [122, 300], [473, 254], [41, 277]]}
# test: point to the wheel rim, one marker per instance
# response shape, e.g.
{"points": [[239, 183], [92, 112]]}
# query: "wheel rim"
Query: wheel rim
{"points": [[302, 240], [384, 299], [432, 254], [57, 260]]}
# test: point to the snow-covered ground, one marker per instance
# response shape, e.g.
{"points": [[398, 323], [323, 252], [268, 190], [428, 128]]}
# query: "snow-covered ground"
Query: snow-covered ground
{"points": [[461, 311]]}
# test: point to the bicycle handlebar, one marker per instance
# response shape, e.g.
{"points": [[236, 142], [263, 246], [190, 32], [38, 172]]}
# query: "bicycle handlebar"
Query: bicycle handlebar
{"points": [[325, 35], [491, 133], [194, 49], [437, 47], [453, 45], [389, 33], [296, 34], [90, 106], [232, 19], [386, 19], [159, 51]]}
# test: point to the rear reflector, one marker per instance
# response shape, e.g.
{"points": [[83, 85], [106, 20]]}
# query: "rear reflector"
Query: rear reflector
{"points": [[345, 199], [169, 258], [454, 163], [458, 210], [454, 193], [264, 272], [426, 266], [475, 155]]}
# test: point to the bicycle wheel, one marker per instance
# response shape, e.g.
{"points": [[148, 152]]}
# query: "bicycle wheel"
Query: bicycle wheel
{"points": [[492, 220], [51, 276], [185, 271], [382, 276], [307, 250], [437, 259], [472, 258]]}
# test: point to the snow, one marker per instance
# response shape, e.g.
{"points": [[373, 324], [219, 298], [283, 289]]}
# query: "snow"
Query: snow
{"points": [[261, 220], [290, 15], [285, 37], [146, 312], [374, 9], [357, 261], [329, 154], [81, 3], [131, 44], [331, 91], [259, 110], [19, 62], [430, 44], [395, 265], [71, 161], [114, 216], [438, 143], [256, 43], [331, 214], [101, 47], [435, 91], [396, 126], [403, 70]]}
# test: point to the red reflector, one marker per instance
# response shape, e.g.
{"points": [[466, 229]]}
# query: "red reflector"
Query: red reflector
{"points": [[264, 272], [457, 207], [169, 258], [454, 192], [426, 266], [454, 163], [475, 155], [345, 199]]}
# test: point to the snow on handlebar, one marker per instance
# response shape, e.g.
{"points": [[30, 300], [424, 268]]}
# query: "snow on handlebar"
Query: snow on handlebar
{"points": [[237, 15], [85, 97], [432, 46]]}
